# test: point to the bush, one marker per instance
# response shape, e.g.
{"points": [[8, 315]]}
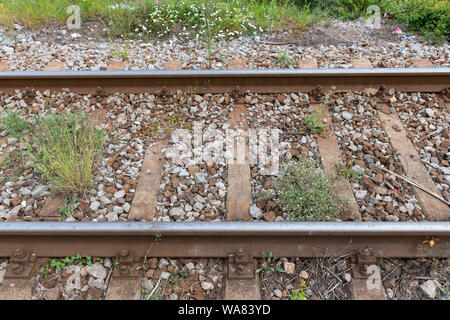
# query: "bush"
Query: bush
{"points": [[304, 192], [64, 149], [430, 17]]}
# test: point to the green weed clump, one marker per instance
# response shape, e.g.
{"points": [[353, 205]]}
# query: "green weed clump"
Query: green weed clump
{"points": [[65, 149], [14, 125], [304, 192]]}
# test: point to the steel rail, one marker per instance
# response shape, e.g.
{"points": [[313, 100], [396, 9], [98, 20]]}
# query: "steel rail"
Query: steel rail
{"points": [[219, 239], [223, 81]]}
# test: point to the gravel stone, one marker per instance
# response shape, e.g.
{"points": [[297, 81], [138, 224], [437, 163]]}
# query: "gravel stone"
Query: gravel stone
{"points": [[112, 216], [119, 194], [429, 289], [207, 285], [94, 205], [200, 177], [38, 191], [360, 194], [177, 213], [278, 293], [97, 271], [190, 266], [347, 115], [255, 212]]}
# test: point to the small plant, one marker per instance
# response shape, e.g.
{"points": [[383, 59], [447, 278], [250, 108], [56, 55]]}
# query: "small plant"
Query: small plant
{"points": [[445, 295], [121, 53], [60, 264], [376, 107], [348, 173], [14, 126], [15, 159], [299, 294], [304, 192], [283, 58], [312, 122], [68, 208], [269, 263], [155, 241]]}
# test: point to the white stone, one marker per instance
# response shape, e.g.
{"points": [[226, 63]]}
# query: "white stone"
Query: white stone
{"points": [[98, 283], [126, 207], [94, 205], [38, 191], [207, 285], [347, 115], [165, 275], [118, 210], [289, 267], [255, 211], [119, 194], [278, 293], [429, 112], [176, 212], [105, 200], [112, 216], [200, 177], [360, 194], [429, 289], [190, 266], [97, 271], [198, 206]]}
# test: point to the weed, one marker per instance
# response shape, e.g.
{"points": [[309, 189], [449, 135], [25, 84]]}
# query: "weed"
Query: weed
{"points": [[59, 264], [65, 149], [299, 294], [283, 58], [268, 264], [445, 295], [121, 52], [312, 122], [14, 125], [14, 165], [376, 107], [304, 192], [68, 208], [154, 242], [348, 173]]}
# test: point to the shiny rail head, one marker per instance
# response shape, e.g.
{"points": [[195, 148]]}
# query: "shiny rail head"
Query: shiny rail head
{"points": [[227, 73], [228, 228]]}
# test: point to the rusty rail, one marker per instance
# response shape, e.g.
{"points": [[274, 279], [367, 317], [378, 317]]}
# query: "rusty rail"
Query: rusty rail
{"points": [[219, 239], [397, 239], [223, 81]]}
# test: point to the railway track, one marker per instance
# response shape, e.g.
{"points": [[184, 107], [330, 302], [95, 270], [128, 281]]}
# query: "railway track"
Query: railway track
{"points": [[237, 239]]}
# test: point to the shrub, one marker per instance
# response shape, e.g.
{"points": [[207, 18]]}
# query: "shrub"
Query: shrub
{"points": [[65, 148], [431, 17], [304, 192]]}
